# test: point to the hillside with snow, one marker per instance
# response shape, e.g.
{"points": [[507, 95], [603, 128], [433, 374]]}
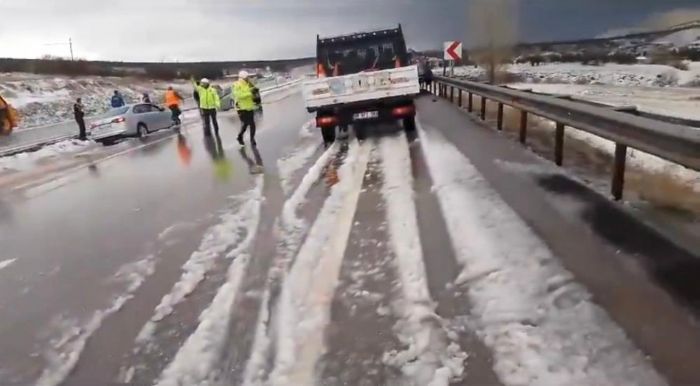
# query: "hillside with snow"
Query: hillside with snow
{"points": [[632, 75], [45, 99]]}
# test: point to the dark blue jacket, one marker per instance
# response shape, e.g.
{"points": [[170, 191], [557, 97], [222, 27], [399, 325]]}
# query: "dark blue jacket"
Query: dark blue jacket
{"points": [[117, 101]]}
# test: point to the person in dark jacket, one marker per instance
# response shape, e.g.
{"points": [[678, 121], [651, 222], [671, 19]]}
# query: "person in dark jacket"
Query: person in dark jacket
{"points": [[146, 98], [79, 113], [117, 100]]}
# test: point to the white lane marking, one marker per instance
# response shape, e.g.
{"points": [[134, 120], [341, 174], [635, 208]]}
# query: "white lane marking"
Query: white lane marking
{"points": [[431, 357], [195, 362], [542, 327], [304, 306], [227, 234], [6, 263], [289, 232], [66, 351]]}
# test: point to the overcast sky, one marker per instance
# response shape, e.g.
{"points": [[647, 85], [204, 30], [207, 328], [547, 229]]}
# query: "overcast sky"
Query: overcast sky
{"points": [[199, 30]]}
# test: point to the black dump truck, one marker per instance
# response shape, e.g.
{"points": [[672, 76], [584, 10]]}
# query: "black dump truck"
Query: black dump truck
{"points": [[362, 79]]}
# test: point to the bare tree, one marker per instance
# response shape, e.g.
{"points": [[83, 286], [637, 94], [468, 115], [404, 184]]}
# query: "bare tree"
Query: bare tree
{"points": [[493, 29]]}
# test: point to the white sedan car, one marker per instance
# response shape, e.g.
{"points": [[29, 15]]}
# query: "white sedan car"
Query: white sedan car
{"points": [[137, 120]]}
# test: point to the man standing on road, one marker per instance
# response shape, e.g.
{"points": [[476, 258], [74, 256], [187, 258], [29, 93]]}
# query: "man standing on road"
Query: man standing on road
{"points": [[209, 102], [79, 113], [117, 100], [245, 95], [172, 100]]}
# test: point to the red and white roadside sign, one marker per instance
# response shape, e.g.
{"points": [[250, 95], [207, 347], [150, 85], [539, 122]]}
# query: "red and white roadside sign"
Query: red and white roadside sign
{"points": [[453, 50]]}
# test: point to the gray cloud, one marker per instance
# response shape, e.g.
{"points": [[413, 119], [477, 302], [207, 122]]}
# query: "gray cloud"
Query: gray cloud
{"points": [[191, 30]]}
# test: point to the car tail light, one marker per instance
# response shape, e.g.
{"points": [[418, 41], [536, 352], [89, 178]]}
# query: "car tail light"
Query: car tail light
{"points": [[327, 121], [403, 111], [118, 120]]}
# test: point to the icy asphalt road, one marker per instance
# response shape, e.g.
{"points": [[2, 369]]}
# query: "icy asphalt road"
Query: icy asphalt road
{"points": [[399, 261]]}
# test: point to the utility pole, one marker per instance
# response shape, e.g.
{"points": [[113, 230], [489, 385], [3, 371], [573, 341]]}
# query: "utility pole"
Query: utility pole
{"points": [[70, 44]]}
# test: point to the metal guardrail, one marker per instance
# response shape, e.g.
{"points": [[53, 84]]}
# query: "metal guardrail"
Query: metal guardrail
{"points": [[672, 142]]}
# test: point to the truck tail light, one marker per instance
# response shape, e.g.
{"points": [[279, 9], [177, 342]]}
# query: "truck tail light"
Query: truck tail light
{"points": [[327, 121], [403, 111], [320, 71]]}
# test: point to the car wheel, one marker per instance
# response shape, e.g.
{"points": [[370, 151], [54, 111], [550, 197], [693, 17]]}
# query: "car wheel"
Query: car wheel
{"points": [[142, 130], [328, 134], [409, 124]]}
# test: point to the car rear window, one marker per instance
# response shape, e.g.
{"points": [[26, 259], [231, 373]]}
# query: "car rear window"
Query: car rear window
{"points": [[117, 111]]}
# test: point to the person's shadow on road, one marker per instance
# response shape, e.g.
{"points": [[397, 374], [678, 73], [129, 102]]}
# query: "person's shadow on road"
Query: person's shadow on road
{"points": [[254, 166]]}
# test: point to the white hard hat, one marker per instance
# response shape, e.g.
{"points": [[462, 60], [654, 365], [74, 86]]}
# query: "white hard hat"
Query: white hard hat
{"points": [[204, 80], [243, 74]]}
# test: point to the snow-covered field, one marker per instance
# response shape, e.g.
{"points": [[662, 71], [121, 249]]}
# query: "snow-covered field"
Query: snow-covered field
{"points": [[678, 102], [44, 99], [634, 75]]}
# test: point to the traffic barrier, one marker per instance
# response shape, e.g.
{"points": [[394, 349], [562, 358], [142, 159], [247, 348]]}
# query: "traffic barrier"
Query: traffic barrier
{"points": [[673, 142]]}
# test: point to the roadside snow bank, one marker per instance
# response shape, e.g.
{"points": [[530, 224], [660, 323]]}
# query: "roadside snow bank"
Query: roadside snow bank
{"points": [[6, 263], [541, 326], [28, 160]]}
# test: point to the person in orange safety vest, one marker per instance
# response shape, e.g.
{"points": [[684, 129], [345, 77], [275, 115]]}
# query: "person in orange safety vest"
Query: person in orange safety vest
{"points": [[172, 101]]}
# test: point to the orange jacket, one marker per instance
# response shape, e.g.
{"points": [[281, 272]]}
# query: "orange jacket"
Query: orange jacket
{"points": [[172, 98]]}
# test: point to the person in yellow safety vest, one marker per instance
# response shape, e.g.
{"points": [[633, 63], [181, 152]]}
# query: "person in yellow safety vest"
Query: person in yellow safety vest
{"points": [[209, 102], [247, 98], [9, 118], [172, 101]]}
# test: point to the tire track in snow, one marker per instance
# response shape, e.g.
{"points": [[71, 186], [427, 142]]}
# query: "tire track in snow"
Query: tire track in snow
{"points": [[234, 227], [304, 305], [541, 326], [293, 162], [199, 357], [360, 330], [432, 356], [291, 229]]}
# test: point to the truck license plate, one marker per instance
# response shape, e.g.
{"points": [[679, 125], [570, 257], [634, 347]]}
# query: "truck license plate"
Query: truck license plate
{"points": [[366, 115]]}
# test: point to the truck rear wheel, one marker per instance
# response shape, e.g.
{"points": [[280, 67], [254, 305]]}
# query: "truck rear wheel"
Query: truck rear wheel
{"points": [[328, 134], [360, 131], [409, 124]]}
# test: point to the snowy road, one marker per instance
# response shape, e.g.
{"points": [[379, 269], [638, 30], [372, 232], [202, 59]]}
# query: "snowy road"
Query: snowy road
{"points": [[398, 261]]}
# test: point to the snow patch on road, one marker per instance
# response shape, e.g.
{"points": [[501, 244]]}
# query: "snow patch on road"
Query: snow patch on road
{"points": [[541, 326], [196, 361], [304, 305], [28, 160], [65, 351], [431, 357], [219, 238], [6, 263]]}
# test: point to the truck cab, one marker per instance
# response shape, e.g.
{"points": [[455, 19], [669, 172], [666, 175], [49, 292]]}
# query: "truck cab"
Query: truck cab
{"points": [[362, 78]]}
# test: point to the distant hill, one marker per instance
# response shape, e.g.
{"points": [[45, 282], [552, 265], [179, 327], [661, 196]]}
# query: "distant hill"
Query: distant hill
{"points": [[149, 69]]}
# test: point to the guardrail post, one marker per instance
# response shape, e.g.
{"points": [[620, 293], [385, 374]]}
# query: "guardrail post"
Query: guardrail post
{"points": [[618, 182], [483, 108], [459, 98], [559, 144], [500, 116], [452, 94], [470, 105], [523, 126]]}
